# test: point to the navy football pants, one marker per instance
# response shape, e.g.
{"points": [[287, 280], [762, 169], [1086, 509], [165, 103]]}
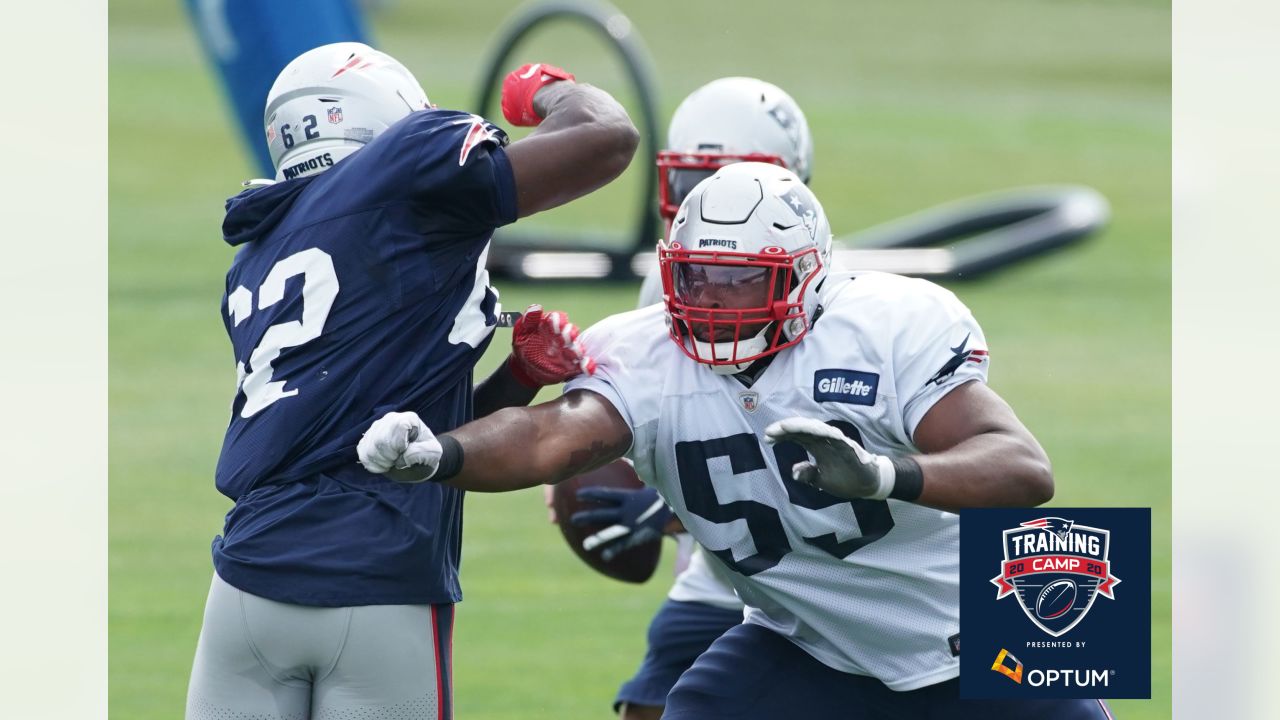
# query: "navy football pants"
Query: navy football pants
{"points": [[678, 634], [751, 672]]}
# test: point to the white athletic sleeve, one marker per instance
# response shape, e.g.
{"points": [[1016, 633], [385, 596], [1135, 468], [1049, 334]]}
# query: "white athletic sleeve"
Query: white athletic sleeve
{"points": [[939, 348]]}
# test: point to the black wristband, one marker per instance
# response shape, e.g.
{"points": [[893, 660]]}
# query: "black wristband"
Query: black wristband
{"points": [[450, 459], [908, 480]]}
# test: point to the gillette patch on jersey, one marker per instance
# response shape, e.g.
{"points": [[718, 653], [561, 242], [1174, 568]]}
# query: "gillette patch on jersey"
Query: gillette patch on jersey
{"points": [[845, 386]]}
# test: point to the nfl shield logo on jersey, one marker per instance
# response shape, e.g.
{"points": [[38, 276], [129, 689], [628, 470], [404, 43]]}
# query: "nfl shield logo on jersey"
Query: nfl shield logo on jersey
{"points": [[335, 115], [1057, 569], [748, 400]]}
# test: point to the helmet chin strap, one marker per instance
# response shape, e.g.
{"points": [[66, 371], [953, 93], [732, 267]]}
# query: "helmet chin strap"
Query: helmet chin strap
{"points": [[722, 351]]}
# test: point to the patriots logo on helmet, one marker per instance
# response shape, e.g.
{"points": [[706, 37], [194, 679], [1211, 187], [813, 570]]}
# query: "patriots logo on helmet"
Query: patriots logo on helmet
{"points": [[1056, 568], [803, 209], [786, 121], [959, 356]]}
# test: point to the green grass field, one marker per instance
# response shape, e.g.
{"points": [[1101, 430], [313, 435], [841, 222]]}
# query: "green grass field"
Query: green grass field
{"points": [[911, 103]]}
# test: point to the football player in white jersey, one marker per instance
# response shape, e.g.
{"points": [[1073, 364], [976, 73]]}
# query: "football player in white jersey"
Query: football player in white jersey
{"points": [[732, 119], [814, 431]]}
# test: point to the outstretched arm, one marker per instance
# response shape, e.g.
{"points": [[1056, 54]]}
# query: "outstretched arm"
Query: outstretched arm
{"points": [[977, 453], [501, 390], [511, 449]]}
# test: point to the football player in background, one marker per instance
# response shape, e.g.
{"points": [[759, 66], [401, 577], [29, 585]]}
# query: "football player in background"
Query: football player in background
{"points": [[814, 431], [728, 120], [359, 286]]}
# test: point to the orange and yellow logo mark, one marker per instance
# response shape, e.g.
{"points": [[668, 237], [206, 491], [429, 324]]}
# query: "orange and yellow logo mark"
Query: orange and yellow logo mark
{"points": [[1013, 673]]}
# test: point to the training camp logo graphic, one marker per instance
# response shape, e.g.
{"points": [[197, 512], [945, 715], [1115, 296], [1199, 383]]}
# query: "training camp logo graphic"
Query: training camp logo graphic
{"points": [[1057, 569]]}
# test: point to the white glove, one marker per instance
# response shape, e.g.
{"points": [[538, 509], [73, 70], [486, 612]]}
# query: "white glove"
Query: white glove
{"points": [[841, 467], [400, 441]]}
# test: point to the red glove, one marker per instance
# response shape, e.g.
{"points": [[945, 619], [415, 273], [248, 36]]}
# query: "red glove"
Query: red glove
{"points": [[519, 88], [545, 349]]}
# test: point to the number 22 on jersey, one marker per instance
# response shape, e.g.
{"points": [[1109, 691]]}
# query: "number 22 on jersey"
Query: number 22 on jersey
{"points": [[319, 289]]}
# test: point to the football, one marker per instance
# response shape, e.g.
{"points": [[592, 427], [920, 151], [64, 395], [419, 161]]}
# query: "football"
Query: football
{"points": [[635, 565], [1056, 599]]}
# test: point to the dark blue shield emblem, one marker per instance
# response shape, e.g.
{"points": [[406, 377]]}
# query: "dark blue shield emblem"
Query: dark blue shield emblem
{"points": [[803, 209], [1057, 569]]}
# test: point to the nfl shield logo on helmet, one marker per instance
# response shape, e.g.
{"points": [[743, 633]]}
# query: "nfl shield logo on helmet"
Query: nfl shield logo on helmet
{"points": [[335, 115], [749, 400], [1057, 569]]}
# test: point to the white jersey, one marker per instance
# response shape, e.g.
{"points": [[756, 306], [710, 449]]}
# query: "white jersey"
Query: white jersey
{"points": [[867, 587], [697, 580], [702, 582]]}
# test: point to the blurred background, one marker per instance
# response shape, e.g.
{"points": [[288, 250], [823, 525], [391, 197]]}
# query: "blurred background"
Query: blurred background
{"points": [[911, 103]]}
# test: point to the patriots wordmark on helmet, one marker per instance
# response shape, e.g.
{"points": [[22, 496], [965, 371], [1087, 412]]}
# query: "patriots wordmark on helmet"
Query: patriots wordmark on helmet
{"points": [[717, 243], [315, 163]]}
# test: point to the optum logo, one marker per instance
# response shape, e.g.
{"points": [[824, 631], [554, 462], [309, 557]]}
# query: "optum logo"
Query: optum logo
{"points": [[1009, 666], [1069, 678]]}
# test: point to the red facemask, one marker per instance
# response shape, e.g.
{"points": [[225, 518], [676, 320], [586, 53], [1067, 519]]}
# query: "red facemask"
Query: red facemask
{"points": [[718, 300]]}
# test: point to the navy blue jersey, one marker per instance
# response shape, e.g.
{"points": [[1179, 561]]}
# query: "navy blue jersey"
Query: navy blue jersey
{"points": [[355, 292]]}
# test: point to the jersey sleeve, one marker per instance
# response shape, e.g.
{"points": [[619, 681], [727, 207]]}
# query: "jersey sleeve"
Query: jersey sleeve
{"points": [[463, 171], [451, 165], [622, 377], [939, 348]]}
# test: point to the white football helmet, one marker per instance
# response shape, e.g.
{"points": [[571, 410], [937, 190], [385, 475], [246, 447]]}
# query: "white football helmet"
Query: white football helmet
{"points": [[330, 101], [729, 120], [742, 264]]}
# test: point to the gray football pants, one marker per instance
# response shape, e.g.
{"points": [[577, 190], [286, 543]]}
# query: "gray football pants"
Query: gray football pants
{"points": [[258, 659]]}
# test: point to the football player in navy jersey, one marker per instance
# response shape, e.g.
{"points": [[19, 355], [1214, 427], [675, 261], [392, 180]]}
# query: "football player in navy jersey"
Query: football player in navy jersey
{"points": [[359, 287]]}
